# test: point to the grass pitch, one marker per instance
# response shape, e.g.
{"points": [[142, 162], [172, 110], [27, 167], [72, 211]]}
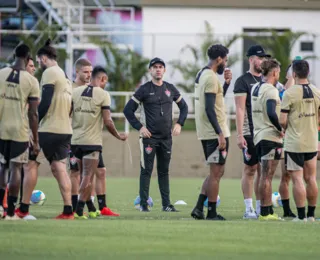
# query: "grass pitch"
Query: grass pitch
{"points": [[156, 235]]}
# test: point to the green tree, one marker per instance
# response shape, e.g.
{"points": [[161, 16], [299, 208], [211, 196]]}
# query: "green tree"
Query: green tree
{"points": [[279, 45], [189, 69], [126, 69]]}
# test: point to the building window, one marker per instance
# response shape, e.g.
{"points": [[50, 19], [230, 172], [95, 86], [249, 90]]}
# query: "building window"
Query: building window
{"points": [[306, 46]]}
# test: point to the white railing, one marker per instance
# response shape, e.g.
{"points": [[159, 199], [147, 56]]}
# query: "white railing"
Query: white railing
{"points": [[188, 96]]}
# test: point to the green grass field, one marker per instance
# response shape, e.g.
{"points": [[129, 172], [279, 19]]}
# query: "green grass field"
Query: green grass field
{"points": [[156, 235]]}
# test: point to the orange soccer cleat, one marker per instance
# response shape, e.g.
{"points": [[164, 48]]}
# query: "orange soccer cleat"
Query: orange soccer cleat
{"points": [[108, 212]]}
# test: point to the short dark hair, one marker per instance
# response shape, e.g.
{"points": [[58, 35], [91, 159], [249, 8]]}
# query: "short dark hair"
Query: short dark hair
{"points": [[301, 68], [268, 65], [217, 50], [48, 50], [30, 58], [97, 70], [82, 63], [22, 51]]}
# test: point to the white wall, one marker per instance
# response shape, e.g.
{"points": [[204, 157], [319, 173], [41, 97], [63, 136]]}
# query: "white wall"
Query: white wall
{"points": [[173, 28]]}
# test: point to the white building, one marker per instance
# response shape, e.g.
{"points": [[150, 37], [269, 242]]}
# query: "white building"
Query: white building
{"points": [[175, 23]]}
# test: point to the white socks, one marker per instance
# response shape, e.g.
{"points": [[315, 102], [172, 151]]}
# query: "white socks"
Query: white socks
{"points": [[248, 203], [249, 206], [258, 207]]}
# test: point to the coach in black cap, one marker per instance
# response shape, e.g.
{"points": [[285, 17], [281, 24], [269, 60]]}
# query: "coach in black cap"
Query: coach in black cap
{"points": [[155, 127]]}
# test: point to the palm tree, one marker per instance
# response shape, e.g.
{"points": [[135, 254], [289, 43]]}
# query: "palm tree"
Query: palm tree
{"points": [[279, 45], [189, 69], [126, 69]]}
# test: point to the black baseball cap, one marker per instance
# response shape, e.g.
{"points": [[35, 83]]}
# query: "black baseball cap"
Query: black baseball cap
{"points": [[156, 60], [257, 50]]}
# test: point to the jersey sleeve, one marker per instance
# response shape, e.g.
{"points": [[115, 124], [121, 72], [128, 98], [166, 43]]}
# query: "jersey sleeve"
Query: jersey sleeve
{"points": [[272, 94], [286, 102], [35, 90], [176, 94], [48, 77], [106, 102], [211, 85], [138, 96], [240, 88]]}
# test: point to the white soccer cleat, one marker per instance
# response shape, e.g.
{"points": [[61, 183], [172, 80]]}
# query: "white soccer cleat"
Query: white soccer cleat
{"points": [[14, 217], [311, 219], [250, 214], [300, 220]]}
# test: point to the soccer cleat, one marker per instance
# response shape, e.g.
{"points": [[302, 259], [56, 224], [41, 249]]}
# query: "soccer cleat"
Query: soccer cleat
{"points": [[144, 208], [269, 217], [251, 214], [289, 215], [311, 219], [21, 214], [217, 218], [93, 214], [65, 216], [300, 220], [108, 212], [83, 217], [14, 217], [169, 208], [98, 212], [197, 214]]}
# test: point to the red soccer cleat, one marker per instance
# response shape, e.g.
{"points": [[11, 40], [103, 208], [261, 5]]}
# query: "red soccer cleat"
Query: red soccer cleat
{"points": [[65, 216], [21, 214], [108, 212]]}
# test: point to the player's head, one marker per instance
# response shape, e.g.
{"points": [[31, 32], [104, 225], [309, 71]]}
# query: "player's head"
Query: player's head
{"points": [[300, 69], [99, 77], [45, 54], [218, 54], [256, 56], [157, 68], [83, 70], [30, 66], [22, 52], [271, 70]]}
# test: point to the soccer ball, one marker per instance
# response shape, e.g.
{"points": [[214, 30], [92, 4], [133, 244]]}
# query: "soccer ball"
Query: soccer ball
{"points": [[276, 200], [38, 198], [137, 202], [206, 202]]}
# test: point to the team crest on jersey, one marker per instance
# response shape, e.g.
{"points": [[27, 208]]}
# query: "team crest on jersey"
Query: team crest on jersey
{"points": [[73, 160], [224, 154], [148, 149], [168, 93]]}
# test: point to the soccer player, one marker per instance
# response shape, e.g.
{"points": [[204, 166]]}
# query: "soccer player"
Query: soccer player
{"points": [[268, 133], [29, 171], [55, 129], [212, 128], [299, 116], [242, 93], [156, 98], [91, 109], [18, 114], [83, 76]]}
